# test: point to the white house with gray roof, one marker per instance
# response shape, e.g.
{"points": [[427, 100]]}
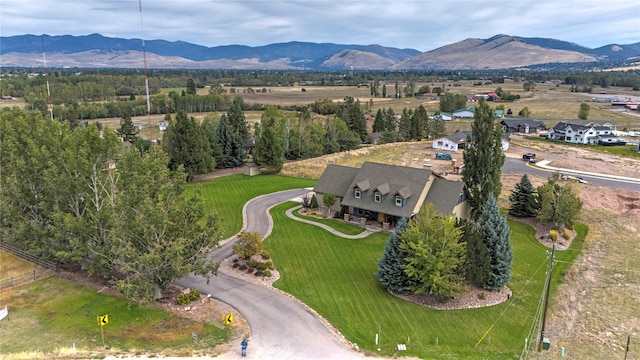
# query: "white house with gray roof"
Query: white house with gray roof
{"points": [[579, 134], [387, 193]]}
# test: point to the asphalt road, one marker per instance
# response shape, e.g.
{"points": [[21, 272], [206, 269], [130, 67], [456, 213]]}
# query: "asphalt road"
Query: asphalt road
{"points": [[281, 328], [518, 166]]}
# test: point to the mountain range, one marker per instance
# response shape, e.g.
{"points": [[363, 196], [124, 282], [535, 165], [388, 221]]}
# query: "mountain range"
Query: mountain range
{"points": [[498, 52]]}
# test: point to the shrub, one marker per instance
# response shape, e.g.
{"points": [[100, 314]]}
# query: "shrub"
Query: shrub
{"points": [[185, 299], [242, 267], [257, 273], [266, 273], [553, 234], [566, 234], [265, 255], [482, 296], [270, 265]]}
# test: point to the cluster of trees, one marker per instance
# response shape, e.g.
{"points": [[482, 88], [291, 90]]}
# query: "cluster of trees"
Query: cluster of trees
{"points": [[435, 254], [553, 202], [65, 197], [227, 142], [409, 126]]}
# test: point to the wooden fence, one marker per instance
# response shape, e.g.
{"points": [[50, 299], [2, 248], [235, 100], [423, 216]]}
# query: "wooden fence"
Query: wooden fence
{"points": [[44, 269]]}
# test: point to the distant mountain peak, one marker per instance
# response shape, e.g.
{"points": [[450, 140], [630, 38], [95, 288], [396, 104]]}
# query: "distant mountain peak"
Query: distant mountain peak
{"points": [[497, 52]]}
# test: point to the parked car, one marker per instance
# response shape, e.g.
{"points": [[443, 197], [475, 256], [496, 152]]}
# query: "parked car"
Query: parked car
{"points": [[530, 157], [442, 156], [575, 178]]}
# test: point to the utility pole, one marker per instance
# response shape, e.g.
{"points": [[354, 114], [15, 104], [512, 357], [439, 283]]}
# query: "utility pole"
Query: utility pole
{"points": [[546, 298]]}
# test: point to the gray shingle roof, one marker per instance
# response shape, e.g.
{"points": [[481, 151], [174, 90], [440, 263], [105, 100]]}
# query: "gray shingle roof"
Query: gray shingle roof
{"points": [[442, 194], [400, 180], [335, 180]]}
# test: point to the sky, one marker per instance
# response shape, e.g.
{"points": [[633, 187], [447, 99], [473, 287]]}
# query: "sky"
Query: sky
{"points": [[418, 24]]}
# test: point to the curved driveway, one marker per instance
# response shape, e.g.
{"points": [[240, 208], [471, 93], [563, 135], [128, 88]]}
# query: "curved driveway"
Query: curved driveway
{"points": [[281, 328]]}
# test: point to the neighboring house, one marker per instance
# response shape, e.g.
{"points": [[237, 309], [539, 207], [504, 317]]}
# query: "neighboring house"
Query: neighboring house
{"points": [[442, 116], [579, 134], [492, 96], [453, 142], [138, 125], [612, 126], [523, 126], [466, 113], [163, 125], [387, 193]]}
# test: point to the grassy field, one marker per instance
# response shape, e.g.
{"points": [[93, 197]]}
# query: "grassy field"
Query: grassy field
{"points": [[227, 195], [48, 317], [345, 291]]}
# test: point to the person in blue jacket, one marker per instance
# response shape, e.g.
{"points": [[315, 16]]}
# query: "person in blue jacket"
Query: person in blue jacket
{"points": [[244, 344]]}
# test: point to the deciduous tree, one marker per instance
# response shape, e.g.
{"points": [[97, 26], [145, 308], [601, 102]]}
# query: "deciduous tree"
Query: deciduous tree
{"points": [[560, 204], [434, 254], [163, 233], [483, 158]]}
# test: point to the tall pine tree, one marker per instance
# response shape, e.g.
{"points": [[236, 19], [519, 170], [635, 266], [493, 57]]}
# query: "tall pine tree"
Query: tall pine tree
{"points": [[524, 199], [187, 144], [231, 150], [476, 265], [483, 158], [496, 235], [391, 266]]}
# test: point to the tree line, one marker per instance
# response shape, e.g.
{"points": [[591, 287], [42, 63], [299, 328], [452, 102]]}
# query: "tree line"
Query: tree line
{"points": [[64, 198]]}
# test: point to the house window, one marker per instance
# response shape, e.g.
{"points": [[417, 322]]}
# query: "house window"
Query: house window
{"points": [[377, 197], [356, 193], [398, 200]]}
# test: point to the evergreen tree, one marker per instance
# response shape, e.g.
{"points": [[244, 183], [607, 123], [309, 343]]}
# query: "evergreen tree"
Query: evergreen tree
{"points": [[127, 131], [269, 150], [384, 90], [191, 87], [404, 126], [351, 113], [391, 266], [438, 128], [496, 235], [378, 123], [524, 199], [483, 158], [238, 121], [476, 266], [419, 122], [187, 144], [231, 151]]}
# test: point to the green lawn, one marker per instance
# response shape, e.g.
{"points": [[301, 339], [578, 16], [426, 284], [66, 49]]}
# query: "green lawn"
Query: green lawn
{"points": [[341, 226], [50, 314], [335, 277], [227, 195]]}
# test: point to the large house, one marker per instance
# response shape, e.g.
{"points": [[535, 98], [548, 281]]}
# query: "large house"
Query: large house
{"points": [[453, 142], [580, 134], [456, 141], [522, 126], [386, 193]]}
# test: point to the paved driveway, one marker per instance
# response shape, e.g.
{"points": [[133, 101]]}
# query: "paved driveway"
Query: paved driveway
{"points": [[281, 328]]}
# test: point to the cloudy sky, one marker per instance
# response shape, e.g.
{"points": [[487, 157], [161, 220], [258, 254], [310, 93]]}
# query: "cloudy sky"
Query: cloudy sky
{"points": [[419, 24]]}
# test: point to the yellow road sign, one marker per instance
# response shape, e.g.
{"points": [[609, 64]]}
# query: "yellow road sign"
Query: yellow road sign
{"points": [[103, 320], [228, 319]]}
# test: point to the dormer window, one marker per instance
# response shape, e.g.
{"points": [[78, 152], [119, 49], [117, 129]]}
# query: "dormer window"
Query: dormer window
{"points": [[377, 197], [357, 193], [398, 200]]}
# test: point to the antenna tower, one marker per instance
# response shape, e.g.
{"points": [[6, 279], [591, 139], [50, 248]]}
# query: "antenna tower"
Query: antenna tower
{"points": [[46, 76], [146, 76]]}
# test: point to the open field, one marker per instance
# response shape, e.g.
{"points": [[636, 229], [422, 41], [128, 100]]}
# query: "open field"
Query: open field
{"points": [[49, 317]]}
